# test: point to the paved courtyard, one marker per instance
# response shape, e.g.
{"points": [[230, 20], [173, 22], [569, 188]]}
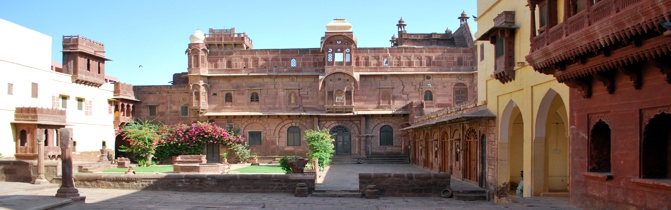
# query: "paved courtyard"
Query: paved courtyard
{"points": [[14, 195]]}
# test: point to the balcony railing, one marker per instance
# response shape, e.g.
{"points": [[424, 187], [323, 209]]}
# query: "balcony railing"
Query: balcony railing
{"points": [[591, 15]]}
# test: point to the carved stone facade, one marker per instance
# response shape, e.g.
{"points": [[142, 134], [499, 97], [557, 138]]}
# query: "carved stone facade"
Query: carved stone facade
{"points": [[351, 91], [613, 54]]}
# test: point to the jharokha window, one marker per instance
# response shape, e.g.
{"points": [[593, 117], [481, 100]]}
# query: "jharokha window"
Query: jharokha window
{"points": [[656, 148], [599, 148]]}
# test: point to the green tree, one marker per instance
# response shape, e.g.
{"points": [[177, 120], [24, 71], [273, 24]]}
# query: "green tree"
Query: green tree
{"points": [[142, 136], [320, 146]]}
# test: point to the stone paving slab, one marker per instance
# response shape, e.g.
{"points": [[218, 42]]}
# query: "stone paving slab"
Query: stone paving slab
{"points": [[142, 199]]}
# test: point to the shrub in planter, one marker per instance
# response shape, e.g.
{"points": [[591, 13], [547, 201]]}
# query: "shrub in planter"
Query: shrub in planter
{"points": [[284, 163], [320, 146], [242, 151]]}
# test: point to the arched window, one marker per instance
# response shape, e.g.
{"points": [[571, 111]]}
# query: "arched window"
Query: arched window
{"points": [[655, 148], [386, 136], [23, 138], [293, 136], [293, 62], [460, 93], [228, 98], [46, 137], [254, 97], [428, 96], [599, 148]]}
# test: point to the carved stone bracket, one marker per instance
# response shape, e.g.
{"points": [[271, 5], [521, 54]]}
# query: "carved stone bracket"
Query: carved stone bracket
{"points": [[634, 73], [608, 80], [664, 66], [648, 113], [584, 86]]}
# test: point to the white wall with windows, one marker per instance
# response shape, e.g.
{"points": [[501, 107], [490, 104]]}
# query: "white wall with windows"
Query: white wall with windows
{"points": [[25, 60]]}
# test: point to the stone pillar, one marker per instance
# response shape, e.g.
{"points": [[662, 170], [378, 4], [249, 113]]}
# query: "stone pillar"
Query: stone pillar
{"points": [[301, 190], [40, 158], [67, 189]]}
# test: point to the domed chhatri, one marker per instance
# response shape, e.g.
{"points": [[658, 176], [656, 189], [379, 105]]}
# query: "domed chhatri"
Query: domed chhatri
{"points": [[197, 37], [338, 25]]}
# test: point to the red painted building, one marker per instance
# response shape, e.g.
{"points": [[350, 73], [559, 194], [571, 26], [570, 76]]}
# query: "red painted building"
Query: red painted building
{"points": [[614, 55]]}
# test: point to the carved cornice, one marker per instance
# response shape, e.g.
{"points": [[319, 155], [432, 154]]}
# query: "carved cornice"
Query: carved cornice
{"points": [[636, 20]]}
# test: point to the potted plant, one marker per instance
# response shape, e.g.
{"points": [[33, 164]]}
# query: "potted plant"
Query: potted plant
{"points": [[224, 158], [255, 159]]}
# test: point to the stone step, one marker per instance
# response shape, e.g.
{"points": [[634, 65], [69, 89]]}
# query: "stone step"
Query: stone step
{"points": [[336, 193], [470, 197]]}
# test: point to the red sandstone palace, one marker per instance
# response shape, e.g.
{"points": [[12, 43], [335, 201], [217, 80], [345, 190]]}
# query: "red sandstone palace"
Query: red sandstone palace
{"points": [[364, 96]]}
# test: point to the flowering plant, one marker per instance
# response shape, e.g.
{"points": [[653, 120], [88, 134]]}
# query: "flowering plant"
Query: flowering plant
{"points": [[142, 137], [183, 139]]}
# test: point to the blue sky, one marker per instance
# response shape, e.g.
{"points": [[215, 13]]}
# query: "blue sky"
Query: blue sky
{"points": [[155, 34]]}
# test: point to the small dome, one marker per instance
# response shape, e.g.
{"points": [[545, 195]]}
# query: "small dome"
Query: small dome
{"points": [[393, 37], [338, 25], [463, 14], [197, 37], [448, 31], [401, 21]]}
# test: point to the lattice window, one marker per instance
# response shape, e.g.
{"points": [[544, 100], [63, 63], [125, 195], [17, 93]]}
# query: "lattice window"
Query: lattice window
{"points": [[460, 93], [254, 137], [293, 136], [293, 62], [34, 90], [184, 111], [152, 110]]}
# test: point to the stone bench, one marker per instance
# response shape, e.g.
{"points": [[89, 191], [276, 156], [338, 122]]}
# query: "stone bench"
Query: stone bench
{"points": [[191, 159]]}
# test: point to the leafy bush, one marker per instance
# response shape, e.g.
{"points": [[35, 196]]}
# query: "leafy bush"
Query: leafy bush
{"points": [[242, 151], [284, 163], [143, 137], [320, 146]]}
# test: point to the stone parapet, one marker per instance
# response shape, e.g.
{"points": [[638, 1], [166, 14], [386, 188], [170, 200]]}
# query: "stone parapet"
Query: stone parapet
{"points": [[238, 183], [405, 184]]}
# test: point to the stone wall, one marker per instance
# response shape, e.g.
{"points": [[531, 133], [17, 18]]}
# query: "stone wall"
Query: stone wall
{"points": [[238, 183], [23, 171], [15, 171], [407, 185]]}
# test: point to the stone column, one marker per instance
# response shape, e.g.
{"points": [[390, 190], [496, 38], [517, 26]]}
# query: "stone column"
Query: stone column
{"points": [[40, 158], [67, 189]]}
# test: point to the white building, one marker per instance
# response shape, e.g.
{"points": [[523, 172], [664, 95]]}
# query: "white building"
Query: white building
{"points": [[30, 80]]}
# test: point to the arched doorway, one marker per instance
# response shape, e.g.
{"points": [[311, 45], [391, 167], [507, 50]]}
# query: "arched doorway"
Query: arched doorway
{"points": [[516, 148], [343, 140], [471, 156], [551, 142]]}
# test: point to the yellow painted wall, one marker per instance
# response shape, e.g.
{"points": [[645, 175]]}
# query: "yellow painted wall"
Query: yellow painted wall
{"points": [[526, 92]]}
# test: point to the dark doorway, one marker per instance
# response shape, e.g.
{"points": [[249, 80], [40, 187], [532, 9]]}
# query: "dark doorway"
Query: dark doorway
{"points": [[483, 161], [212, 153], [117, 145], [342, 140]]}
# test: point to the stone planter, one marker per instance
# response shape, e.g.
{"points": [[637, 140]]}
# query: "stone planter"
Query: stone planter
{"points": [[298, 165]]}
